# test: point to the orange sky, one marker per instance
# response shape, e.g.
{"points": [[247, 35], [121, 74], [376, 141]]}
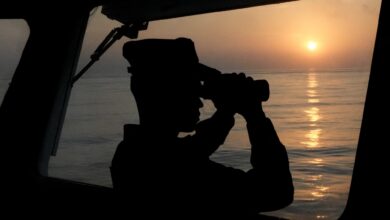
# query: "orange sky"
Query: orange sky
{"points": [[265, 37], [276, 36], [273, 36]]}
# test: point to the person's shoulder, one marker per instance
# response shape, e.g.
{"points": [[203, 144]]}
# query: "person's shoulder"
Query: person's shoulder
{"points": [[131, 135], [131, 132]]}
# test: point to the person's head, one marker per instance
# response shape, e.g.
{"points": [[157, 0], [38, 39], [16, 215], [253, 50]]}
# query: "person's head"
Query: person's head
{"points": [[164, 82]]}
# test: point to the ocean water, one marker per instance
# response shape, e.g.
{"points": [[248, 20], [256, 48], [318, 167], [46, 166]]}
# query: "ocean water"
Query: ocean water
{"points": [[317, 115]]}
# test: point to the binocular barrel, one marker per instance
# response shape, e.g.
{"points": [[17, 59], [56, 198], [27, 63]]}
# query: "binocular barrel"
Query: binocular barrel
{"points": [[257, 88], [260, 87]]}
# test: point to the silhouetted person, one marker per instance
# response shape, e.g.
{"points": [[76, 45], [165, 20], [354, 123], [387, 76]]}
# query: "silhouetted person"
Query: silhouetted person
{"points": [[158, 174]]}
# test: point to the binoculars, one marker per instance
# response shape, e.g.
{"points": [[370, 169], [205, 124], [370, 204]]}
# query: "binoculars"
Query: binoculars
{"points": [[214, 83], [259, 87]]}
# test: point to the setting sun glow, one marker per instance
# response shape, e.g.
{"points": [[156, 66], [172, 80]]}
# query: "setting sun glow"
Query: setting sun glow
{"points": [[311, 45]]}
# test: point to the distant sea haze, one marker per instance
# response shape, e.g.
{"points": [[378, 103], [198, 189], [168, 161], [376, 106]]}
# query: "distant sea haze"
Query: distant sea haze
{"points": [[317, 115]]}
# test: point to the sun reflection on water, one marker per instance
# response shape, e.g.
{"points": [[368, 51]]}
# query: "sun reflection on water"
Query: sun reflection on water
{"points": [[315, 177], [317, 161], [312, 80], [312, 140], [313, 114], [311, 93], [312, 137], [320, 191]]}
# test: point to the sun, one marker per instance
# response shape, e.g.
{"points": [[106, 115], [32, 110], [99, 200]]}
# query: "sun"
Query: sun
{"points": [[311, 46]]}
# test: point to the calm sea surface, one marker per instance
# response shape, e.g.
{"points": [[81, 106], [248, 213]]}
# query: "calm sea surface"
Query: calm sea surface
{"points": [[316, 114]]}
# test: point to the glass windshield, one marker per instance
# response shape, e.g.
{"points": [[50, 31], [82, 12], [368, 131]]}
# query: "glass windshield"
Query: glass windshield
{"points": [[316, 56]]}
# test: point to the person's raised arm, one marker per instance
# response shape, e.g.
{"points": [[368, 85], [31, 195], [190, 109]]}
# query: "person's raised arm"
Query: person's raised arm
{"points": [[212, 132], [270, 180]]}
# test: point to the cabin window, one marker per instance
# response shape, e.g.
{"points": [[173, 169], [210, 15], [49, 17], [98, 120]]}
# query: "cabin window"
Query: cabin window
{"points": [[13, 37], [316, 56], [99, 106]]}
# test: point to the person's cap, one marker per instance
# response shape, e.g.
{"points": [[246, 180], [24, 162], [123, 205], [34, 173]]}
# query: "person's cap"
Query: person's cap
{"points": [[157, 54], [165, 56]]}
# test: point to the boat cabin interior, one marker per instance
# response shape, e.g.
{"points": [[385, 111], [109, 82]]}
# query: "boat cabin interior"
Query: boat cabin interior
{"points": [[33, 109]]}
